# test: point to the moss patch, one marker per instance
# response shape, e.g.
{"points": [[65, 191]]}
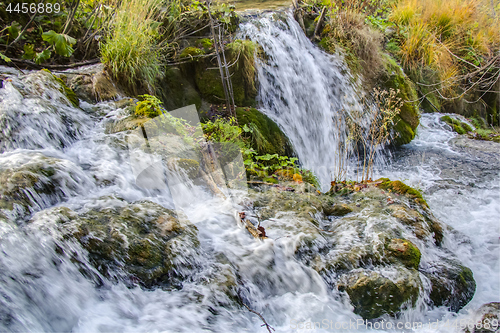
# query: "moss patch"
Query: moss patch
{"points": [[405, 251], [399, 187], [267, 137], [70, 94], [408, 118]]}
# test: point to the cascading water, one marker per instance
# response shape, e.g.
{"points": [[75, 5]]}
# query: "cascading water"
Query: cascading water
{"points": [[300, 84], [73, 169]]}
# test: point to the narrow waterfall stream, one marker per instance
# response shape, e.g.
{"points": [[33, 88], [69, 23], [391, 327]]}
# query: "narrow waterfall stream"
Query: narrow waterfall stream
{"points": [[300, 84], [50, 283]]}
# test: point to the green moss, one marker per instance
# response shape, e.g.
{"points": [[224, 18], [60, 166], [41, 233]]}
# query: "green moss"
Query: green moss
{"points": [[403, 131], [405, 251], [206, 43], [191, 51], [176, 91], [466, 127], [373, 295], [190, 166], [267, 137], [395, 78], [459, 129], [70, 94], [399, 187]]}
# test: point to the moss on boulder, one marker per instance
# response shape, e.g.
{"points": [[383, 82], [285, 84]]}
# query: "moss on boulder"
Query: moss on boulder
{"points": [[177, 91], [394, 77], [399, 187], [138, 242], [404, 251], [373, 294], [69, 93], [267, 137], [453, 284], [34, 181]]}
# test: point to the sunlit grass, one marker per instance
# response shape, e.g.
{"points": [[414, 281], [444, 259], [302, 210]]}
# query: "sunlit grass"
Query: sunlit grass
{"points": [[131, 53]]}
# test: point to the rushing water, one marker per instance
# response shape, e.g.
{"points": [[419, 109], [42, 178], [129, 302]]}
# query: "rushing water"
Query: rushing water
{"points": [[42, 289], [300, 84]]}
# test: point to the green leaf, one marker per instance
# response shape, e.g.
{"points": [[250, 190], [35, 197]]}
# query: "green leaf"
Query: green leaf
{"points": [[29, 52], [61, 42], [42, 56], [13, 30], [4, 58]]}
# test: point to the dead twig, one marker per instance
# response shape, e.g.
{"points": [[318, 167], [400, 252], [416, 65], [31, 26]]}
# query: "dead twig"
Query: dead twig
{"points": [[269, 327]]}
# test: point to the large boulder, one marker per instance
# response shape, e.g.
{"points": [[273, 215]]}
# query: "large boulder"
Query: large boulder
{"points": [[266, 136], [370, 241], [452, 284], [372, 294], [33, 181], [140, 242], [485, 320]]}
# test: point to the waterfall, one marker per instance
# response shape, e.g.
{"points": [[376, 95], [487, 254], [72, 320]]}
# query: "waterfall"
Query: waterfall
{"points": [[301, 84]]}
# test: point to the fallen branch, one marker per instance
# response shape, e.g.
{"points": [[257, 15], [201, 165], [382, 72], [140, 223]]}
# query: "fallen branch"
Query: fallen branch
{"points": [[269, 327], [31, 65]]}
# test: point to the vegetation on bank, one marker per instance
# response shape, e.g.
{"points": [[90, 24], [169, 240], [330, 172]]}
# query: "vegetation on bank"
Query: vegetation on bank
{"points": [[260, 164], [448, 49], [480, 131]]}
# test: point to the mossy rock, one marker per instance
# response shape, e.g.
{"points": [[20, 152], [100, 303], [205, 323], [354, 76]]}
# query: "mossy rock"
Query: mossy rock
{"points": [[452, 284], [399, 187], [190, 52], [209, 83], [374, 295], [404, 251], [267, 138], [457, 125], [409, 116], [190, 166], [177, 91], [138, 242], [36, 181], [69, 93], [336, 209]]}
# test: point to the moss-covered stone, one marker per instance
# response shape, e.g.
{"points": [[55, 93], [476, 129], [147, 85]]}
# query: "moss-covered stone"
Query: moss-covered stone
{"points": [[267, 137], [337, 209], [139, 242], [36, 181], [399, 187], [453, 284], [190, 166], [177, 91], [190, 52], [404, 251], [408, 118], [373, 295], [70, 94]]}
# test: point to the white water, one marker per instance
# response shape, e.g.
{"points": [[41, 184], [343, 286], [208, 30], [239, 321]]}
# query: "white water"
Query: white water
{"points": [[300, 84], [42, 290]]}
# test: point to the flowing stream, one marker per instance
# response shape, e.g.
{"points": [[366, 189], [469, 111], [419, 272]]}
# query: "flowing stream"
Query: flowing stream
{"points": [[303, 89]]}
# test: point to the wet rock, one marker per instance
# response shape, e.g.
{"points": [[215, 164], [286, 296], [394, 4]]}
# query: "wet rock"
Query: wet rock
{"points": [[94, 86], [138, 242], [37, 112], [453, 285], [337, 210], [408, 118], [372, 294], [405, 251], [486, 319], [376, 246], [267, 137], [33, 181]]}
